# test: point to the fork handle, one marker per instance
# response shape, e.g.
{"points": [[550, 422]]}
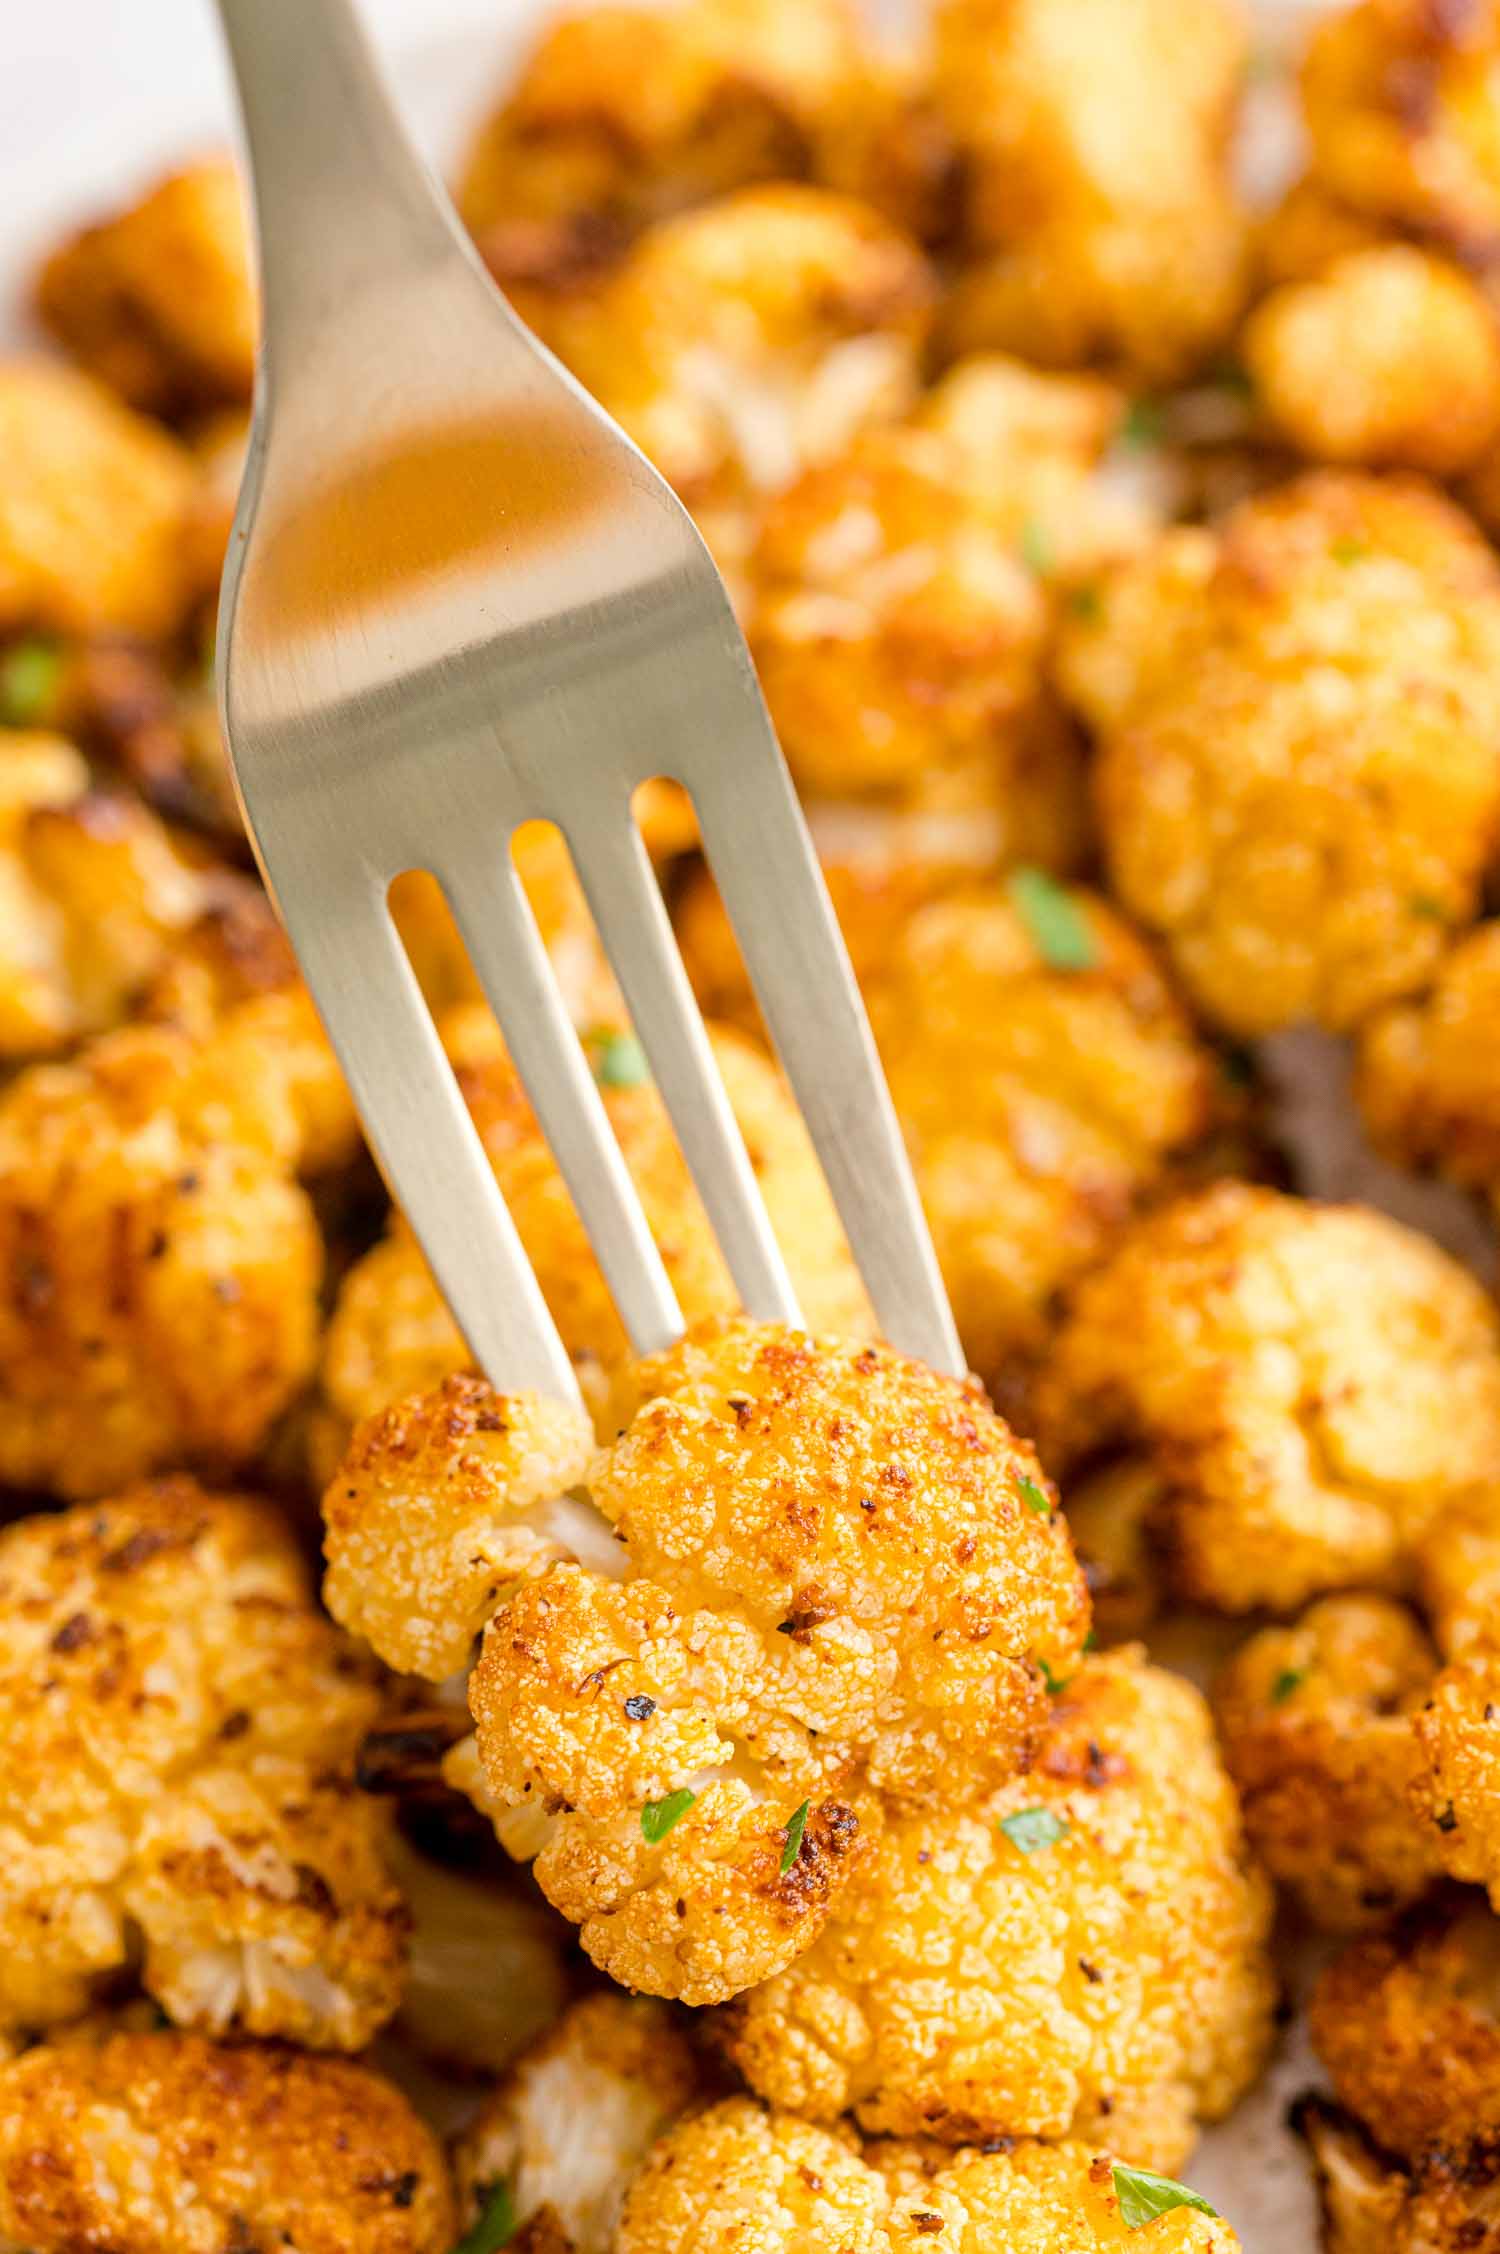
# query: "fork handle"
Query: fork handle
{"points": [[343, 200]]}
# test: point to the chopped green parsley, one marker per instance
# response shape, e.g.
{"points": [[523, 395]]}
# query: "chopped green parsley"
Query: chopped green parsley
{"points": [[658, 1816]]}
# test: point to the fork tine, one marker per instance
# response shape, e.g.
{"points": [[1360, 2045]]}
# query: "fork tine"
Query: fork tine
{"points": [[804, 982], [627, 908], [424, 1139], [499, 930]]}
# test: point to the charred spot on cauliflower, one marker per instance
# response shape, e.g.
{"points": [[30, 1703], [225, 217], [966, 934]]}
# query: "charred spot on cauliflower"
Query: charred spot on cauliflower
{"points": [[1316, 1724], [1299, 744], [1079, 1954], [167, 2144], [181, 1727], [1314, 1384]]}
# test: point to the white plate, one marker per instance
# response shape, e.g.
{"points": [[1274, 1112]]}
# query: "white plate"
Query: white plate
{"points": [[95, 97]]}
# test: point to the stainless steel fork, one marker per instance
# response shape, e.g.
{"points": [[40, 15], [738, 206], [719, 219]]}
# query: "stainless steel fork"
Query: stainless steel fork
{"points": [[457, 598]]}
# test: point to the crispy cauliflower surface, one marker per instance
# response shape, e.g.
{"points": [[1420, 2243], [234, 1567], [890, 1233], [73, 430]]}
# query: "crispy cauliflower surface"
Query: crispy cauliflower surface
{"points": [[1298, 735], [1428, 1082], [92, 504], [180, 1727], [1313, 1383], [576, 2116], [1078, 1954], [167, 2144], [1093, 143], [736, 2176], [1316, 1724], [1372, 2205], [391, 1334], [1407, 2023], [1392, 357], [742, 342], [157, 300], [812, 1572], [1045, 1076], [161, 1263]]}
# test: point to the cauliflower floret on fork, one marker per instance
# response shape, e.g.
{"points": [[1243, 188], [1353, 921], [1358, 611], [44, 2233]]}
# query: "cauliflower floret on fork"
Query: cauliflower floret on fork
{"points": [[180, 1728], [814, 1574], [168, 2144]]}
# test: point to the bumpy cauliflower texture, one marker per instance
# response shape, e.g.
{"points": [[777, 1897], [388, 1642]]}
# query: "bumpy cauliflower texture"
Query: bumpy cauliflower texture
{"points": [[1370, 2204], [180, 1727], [166, 2144], [1079, 1954], [1299, 764], [93, 499], [812, 1572], [1313, 1384], [1391, 357], [1093, 139], [1429, 1069], [573, 2120], [157, 301], [1316, 1723], [736, 2176]]}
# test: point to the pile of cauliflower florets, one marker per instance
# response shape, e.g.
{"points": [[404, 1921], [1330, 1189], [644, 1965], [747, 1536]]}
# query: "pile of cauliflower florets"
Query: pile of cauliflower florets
{"points": [[785, 1800]]}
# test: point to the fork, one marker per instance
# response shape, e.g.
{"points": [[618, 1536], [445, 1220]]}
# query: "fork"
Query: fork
{"points": [[457, 599]]}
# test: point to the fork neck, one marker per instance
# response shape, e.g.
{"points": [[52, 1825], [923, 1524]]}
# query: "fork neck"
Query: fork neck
{"points": [[344, 203]]}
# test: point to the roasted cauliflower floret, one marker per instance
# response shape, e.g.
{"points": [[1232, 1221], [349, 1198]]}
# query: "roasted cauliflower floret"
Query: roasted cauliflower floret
{"points": [[157, 301], [1299, 744], [740, 343], [564, 2133], [1079, 1954], [1408, 2024], [736, 2176], [1312, 1383], [1429, 1069], [1455, 1795], [813, 1572], [92, 893], [161, 1263], [1372, 2205], [1044, 1075], [180, 1728], [1390, 358], [167, 2144], [1316, 1725], [92, 504], [1093, 144], [391, 1333], [898, 636], [1403, 118]]}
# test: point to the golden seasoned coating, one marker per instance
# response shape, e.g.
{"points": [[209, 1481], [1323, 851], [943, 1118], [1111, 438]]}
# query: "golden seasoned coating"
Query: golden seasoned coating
{"points": [[92, 893], [1390, 358], [157, 300], [744, 341], [1299, 762], [93, 500], [1403, 118], [1093, 139], [832, 1572], [167, 2144], [622, 115], [180, 1727], [1407, 2023], [736, 2177], [1458, 1573], [1454, 1795], [898, 636], [161, 1264], [1445, 2203], [1316, 1724], [391, 1333], [440, 1502], [1428, 1082], [1307, 231], [1079, 1954], [1044, 1075], [1313, 1383], [575, 2117]]}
